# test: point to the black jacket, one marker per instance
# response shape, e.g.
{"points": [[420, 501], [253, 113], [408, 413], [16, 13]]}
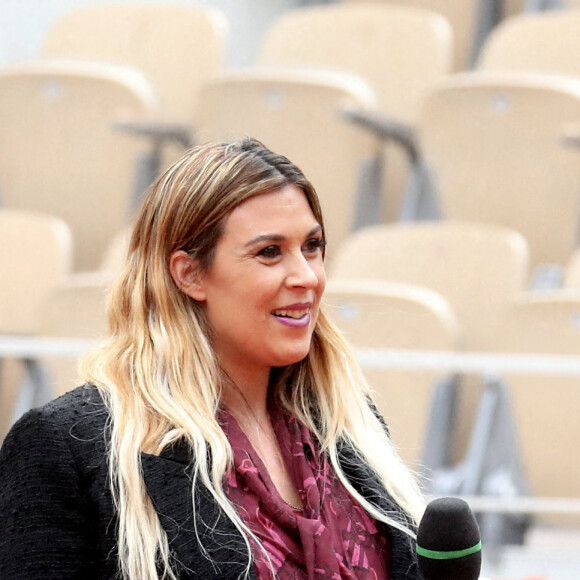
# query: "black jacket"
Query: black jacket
{"points": [[57, 519]]}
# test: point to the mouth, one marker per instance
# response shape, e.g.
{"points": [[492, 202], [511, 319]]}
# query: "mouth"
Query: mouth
{"points": [[292, 314], [297, 315]]}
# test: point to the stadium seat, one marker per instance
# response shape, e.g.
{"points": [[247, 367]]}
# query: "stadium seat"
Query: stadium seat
{"points": [[387, 315], [59, 154], [546, 405], [539, 42], [36, 257], [177, 47], [398, 50], [299, 114], [495, 144], [469, 19], [73, 309], [477, 268]]}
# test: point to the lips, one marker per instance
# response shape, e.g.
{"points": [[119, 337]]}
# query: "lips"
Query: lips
{"points": [[296, 315]]}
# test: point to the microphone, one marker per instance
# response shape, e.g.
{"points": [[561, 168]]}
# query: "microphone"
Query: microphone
{"points": [[448, 541]]}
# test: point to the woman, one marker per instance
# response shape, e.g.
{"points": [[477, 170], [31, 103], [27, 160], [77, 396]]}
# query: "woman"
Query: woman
{"points": [[225, 430]]}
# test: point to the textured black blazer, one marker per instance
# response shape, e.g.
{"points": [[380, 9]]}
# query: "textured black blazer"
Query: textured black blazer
{"points": [[57, 519]]}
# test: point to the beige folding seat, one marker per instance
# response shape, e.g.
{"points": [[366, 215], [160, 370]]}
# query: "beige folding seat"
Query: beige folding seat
{"points": [[463, 15], [384, 315], [178, 47], [75, 309], [546, 405], [59, 153], [398, 50], [540, 42], [477, 268], [35, 256], [495, 145], [298, 114], [572, 271]]}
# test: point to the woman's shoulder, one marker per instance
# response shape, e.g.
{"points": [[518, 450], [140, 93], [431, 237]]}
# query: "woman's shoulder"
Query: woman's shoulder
{"points": [[54, 500], [84, 400], [82, 408], [76, 420]]}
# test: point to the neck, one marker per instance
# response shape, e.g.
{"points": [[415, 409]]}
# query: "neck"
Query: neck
{"points": [[246, 395]]}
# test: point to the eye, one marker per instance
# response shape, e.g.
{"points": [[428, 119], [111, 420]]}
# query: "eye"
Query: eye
{"points": [[314, 245], [270, 252]]}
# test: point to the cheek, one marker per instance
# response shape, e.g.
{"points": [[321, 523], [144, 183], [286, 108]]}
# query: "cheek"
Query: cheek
{"points": [[260, 291]]}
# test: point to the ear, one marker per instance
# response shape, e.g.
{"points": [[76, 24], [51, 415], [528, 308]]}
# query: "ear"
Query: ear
{"points": [[185, 273]]}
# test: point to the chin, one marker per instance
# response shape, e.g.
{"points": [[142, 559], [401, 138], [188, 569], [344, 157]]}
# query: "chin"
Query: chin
{"points": [[292, 358]]}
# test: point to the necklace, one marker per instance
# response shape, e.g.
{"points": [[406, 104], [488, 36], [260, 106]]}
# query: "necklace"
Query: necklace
{"points": [[295, 508], [260, 432]]}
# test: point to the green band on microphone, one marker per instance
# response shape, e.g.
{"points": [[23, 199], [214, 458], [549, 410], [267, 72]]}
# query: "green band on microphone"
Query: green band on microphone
{"points": [[452, 555]]}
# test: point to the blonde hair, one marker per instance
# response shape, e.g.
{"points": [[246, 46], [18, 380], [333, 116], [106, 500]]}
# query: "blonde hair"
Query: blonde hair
{"points": [[158, 376]]}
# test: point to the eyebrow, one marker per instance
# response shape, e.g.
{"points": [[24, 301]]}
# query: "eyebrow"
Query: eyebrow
{"points": [[279, 238]]}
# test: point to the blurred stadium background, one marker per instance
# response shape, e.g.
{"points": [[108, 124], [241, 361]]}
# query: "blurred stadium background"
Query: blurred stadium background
{"points": [[443, 137]]}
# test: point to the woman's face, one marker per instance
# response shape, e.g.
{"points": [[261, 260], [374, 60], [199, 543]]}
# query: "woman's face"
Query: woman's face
{"points": [[262, 292]]}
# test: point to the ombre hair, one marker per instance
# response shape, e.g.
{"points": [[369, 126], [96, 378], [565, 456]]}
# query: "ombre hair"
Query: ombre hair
{"points": [[157, 372]]}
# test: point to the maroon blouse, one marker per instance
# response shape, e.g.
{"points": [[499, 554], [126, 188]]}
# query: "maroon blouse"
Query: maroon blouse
{"points": [[332, 537]]}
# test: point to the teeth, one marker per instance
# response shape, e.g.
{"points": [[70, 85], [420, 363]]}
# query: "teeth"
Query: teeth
{"points": [[291, 313]]}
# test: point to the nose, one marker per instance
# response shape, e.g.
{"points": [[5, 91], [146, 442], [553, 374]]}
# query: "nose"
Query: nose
{"points": [[302, 273]]}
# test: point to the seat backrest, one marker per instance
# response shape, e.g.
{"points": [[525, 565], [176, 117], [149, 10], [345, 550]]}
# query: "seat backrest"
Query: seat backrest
{"points": [[477, 268], [542, 42], [76, 308], [572, 271], [35, 256], [378, 314], [59, 153], [546, 406], [461, 14], [298, 114], [494, 143], [177, 47], [398, 50]]}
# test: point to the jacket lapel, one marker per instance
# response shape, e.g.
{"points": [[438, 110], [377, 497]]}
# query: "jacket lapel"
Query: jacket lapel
{"points": [[168, 482], [224, 555]]}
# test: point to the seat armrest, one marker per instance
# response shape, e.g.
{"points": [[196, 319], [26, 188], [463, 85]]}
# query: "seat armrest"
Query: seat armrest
{"points": [[385, 129]]}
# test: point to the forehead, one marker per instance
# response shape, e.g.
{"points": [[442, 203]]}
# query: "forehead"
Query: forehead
{"points": [[282, 211]]}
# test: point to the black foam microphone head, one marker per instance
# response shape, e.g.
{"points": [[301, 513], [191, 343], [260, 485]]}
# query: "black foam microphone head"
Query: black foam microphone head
{"points": [[448, 541]]}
